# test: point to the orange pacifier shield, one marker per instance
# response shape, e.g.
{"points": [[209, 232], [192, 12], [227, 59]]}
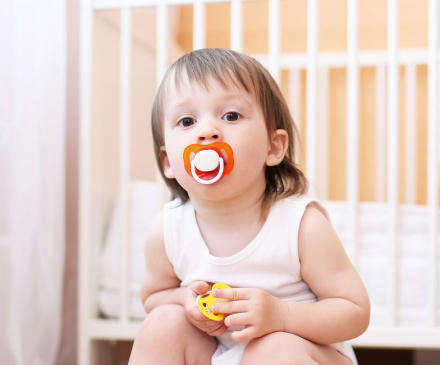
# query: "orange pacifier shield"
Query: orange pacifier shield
{"points": [[208, 163], [206, 301]]}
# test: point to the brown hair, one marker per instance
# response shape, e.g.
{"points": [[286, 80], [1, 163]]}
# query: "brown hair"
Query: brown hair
{"points": [[282, 180]]}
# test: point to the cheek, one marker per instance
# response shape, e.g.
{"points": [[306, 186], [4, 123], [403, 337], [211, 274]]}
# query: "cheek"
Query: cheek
{"points": [[251, 161], [254, 152], [173, 156], [174, 151], [177, 165]]}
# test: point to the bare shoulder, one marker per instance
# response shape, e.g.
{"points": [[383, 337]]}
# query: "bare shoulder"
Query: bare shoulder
{"points": [[315, 229], [318, 241], [313, 218]]}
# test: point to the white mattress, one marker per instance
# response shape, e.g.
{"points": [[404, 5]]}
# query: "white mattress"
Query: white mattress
{"points": [[145, 202], [374, 256]]}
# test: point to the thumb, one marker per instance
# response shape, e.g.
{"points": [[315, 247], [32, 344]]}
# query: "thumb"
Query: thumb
{"points": [[200, 287]]}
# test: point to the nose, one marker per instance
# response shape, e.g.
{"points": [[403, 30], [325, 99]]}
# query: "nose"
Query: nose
{"points": [[209, 132]]}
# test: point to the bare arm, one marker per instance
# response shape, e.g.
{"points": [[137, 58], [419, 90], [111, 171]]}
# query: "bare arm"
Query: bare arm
{"points": [[342, 311], [160, 284]]}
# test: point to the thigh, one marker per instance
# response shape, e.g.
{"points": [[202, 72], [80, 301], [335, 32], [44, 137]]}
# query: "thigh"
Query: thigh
{"points": [[286, 348], [167, 337]]}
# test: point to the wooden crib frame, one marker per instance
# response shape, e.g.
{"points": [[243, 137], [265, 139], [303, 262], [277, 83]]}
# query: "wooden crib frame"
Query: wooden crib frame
{"points": [[91, 327]]}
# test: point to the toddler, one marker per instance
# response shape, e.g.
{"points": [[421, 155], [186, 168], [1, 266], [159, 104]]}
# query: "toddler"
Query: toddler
{"points": [[224, 142]]}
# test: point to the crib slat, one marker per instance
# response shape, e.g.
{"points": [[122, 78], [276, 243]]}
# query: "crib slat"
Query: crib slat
{"points": [[237, 25], [411, 133], [295, 103], [323, 131], [433, 129], [353, 125], [393, 150], [339, 59], [380, 133], [161, 43], [87, 291], [161, 68], [295, 95], [124, 160], [199, 28], [312, 92], [274, 39]]}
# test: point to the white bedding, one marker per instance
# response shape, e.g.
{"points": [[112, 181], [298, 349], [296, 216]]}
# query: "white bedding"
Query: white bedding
{"points": [[374, 259], [374, 255], [145, 202]]}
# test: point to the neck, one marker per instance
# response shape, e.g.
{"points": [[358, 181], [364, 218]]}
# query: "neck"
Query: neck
{"points": [[238, 211]]}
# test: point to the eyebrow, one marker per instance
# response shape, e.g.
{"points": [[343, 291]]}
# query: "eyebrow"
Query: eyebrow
{"points": [[223, 99], [237, 96]]}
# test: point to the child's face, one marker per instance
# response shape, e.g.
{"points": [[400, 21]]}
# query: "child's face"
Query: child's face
{"points": [[194, 115]]}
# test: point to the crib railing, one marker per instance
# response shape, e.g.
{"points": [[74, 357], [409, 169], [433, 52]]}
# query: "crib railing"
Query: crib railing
{"points": [[317, 65]]}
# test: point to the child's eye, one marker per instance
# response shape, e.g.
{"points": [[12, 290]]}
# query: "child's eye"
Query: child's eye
{"points": [[186, 122], [231, 117]]}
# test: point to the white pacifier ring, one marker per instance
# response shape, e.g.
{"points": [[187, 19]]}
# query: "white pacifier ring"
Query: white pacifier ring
{"points": [[207, 161]]}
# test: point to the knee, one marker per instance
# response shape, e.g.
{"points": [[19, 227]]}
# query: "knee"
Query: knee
{"points": [[163, 323], [278, 348]]}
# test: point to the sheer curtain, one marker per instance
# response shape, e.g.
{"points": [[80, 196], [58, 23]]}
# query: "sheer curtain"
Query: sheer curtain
{"points": [[32, 122]]}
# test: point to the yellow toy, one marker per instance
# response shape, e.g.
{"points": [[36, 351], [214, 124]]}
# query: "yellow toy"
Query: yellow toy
{"points": [[206, 301]]}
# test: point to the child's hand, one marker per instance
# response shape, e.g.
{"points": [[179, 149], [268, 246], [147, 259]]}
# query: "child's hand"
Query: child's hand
{"points": [[257, 310], [212, 328]]}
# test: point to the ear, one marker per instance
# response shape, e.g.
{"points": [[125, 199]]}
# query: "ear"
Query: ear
{"points": [[278, 148], [165, 162]]}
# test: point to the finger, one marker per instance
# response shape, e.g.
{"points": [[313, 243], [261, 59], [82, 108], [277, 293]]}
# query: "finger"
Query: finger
{"points": [[211, 325], [238, 306], [204, 325], [218, 331], [213, 328], [200, 287], [239, 319], [244, 335], [189, 302], [197, 315], [208, 326], [232, 294]]}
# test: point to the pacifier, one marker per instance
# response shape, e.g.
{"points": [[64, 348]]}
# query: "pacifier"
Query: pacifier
{"points": [[208, 163], [206, 301]]}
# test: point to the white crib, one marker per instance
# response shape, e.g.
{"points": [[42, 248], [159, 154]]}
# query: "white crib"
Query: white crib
{"points": [[397, 328]]}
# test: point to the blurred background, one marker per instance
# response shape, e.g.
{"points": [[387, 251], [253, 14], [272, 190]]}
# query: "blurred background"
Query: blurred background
{"points": [[42, 149]]}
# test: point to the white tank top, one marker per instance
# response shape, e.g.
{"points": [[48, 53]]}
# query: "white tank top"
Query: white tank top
{"points": [[269, 262]]}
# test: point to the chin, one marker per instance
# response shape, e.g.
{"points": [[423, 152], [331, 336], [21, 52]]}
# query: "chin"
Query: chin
{"points": [[215, 192]]}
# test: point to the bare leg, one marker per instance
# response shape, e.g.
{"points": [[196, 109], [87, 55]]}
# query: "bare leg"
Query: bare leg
{"points": [[283, 348], [167, 337]]}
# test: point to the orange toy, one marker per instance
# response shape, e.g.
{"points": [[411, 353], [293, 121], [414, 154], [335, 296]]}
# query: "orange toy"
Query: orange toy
{"points": [[206, 301]]}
